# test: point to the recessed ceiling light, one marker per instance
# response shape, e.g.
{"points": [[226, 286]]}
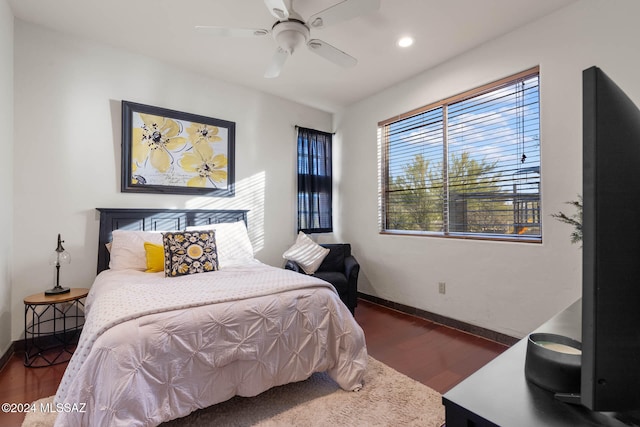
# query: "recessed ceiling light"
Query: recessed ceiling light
{"points": [[405, 41]]}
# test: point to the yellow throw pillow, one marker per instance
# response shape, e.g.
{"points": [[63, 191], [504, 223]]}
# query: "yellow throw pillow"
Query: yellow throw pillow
{"points": [[155, 257]]}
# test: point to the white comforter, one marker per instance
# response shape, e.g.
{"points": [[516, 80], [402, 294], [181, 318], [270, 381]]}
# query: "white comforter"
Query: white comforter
{"points": [[154, 348]]}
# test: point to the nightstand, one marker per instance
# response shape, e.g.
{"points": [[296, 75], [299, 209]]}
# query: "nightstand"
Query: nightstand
{"points": [[52, 326]]}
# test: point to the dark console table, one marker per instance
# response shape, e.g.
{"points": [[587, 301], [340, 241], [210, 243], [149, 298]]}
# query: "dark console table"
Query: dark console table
{"points": [[499, 395]]}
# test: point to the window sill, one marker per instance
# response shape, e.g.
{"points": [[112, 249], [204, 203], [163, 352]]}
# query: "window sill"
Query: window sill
{"points": [[462, 236]]}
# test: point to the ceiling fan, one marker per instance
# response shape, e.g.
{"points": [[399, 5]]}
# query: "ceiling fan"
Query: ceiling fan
{"points": [[291, 31]]}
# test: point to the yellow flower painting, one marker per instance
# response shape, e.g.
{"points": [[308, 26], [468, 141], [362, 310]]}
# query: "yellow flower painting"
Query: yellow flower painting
{"points": [[173, 152], [155, 141], [201, 133], [209, 167]]}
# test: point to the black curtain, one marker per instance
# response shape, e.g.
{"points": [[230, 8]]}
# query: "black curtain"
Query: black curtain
{"points": [[314, 181]]}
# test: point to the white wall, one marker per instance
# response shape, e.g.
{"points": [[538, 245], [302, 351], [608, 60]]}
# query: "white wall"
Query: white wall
{"points": [[67, 151], [6, 172], [506, 287]]}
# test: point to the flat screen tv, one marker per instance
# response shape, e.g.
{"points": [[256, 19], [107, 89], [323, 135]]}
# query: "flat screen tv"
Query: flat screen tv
{"points": [[610, 370]]}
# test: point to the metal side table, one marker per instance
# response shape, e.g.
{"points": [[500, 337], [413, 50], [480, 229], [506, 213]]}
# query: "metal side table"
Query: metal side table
{"points": [[52, 326]]}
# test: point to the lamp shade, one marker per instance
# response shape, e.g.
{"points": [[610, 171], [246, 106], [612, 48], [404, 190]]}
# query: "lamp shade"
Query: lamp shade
{"points": [[60, 258]]}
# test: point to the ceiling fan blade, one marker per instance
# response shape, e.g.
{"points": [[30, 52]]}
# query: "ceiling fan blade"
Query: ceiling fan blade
{"points": [[232, 32], [278, 9], [331, 53], [344, 11], [277, 62]]}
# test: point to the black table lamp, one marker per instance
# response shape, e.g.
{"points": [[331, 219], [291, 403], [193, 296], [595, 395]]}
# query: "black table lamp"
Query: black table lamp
{"points": [[60, 256]]}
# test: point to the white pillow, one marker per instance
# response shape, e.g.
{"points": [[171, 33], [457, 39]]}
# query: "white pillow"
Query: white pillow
{"points": [[307, 253], [127, 249], [232, 241]]}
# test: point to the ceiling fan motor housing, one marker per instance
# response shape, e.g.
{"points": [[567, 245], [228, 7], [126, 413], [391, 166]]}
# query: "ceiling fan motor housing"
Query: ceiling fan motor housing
{"points": [[290, 34]]}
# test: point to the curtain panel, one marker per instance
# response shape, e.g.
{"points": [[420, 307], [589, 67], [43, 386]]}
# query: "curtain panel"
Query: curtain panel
{"points": [[314, 181]]}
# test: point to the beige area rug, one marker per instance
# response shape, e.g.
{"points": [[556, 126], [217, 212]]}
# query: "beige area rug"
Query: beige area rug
{"points": [[388, 398]]}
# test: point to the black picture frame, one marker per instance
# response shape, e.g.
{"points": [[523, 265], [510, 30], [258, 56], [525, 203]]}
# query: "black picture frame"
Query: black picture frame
{"points": [[173, 152]]}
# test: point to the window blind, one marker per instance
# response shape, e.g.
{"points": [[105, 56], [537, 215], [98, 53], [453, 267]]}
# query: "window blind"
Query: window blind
{"points": [[467, 166]]}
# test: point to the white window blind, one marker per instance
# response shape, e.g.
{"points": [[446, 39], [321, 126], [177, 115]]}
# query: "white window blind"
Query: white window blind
{"points": [[468, 166]]}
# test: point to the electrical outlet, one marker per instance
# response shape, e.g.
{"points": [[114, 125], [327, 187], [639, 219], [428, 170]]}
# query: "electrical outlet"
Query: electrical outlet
{"points": [[442, 287]]}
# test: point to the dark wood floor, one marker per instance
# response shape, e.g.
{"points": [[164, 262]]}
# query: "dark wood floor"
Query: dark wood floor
{"points": [[435, 355]]}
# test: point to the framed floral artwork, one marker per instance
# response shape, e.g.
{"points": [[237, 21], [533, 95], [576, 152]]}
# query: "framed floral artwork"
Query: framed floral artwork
{"points": [[167, 151]]}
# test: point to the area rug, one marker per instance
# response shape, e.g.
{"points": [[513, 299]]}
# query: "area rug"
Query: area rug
{"points": [[388, 398]]}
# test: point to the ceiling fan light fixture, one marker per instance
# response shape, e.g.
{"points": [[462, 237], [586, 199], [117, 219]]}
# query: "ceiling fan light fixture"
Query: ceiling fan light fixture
{"points": [[289, 40], [290, 34]]}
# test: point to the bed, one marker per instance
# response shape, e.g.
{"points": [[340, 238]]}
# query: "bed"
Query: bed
{"points": [[157, 348]]}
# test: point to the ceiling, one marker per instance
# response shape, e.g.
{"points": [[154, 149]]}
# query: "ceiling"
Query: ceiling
{"points": [[164, 29]]}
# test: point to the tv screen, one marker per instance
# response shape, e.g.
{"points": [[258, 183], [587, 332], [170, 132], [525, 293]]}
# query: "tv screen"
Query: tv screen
{"points": [[610, 372]]}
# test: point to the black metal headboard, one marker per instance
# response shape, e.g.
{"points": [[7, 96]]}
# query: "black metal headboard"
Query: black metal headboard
{"points": [[156, 219]]}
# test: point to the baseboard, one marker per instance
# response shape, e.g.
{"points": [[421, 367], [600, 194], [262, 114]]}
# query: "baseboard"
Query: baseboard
{"points": [[7, 355], [443, 320]]}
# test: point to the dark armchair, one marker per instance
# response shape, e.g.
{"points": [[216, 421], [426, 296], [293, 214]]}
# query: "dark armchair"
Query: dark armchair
{"points": [[340, 269]]}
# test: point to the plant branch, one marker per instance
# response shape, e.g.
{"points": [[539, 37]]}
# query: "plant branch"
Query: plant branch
{"points": [[574, 220]]}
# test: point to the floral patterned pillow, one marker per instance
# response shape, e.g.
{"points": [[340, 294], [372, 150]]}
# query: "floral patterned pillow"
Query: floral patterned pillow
{"points": [[189, 252]]}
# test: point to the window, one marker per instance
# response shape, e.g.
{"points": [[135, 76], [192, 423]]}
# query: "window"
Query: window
{"points": [[468, 166], [314, 181]]}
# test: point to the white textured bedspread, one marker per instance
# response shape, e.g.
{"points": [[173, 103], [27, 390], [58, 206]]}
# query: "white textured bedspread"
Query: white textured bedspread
{"points": [[155, 348]]}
